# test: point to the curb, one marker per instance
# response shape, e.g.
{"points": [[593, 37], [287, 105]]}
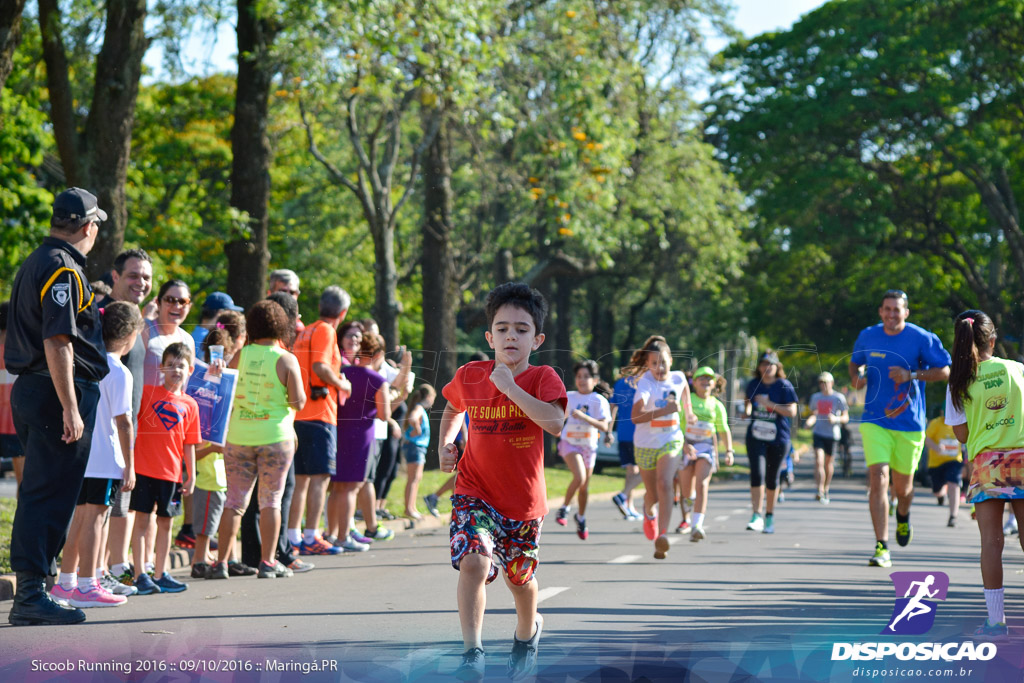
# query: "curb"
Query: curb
{"points": [[179, 558]]}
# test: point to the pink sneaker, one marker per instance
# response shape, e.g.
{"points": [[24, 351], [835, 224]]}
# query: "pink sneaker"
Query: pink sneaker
{"points": [[96, 597], [60, 593], [651, 527]]}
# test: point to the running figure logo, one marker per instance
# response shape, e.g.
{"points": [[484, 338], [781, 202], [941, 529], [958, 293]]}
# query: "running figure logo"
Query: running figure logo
{"points": [[916, 593]]}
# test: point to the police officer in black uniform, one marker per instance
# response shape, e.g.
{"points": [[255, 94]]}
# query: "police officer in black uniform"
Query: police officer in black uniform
{"points": [[55, 347]]}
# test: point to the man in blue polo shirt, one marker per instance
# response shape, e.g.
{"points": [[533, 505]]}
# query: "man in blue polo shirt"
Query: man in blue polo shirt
{"points": [[893, 359]]}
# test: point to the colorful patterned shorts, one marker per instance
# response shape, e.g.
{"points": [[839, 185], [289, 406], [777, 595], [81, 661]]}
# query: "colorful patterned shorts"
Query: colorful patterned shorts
{"points": [[647, 458], [476, 527], [997, 475]]}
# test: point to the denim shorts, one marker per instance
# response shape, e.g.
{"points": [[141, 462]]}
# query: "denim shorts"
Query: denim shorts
{"points": [[413, 454]]}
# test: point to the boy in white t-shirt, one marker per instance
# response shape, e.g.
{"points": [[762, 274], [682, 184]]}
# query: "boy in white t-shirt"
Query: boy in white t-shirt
{"points": [[587, 415], [110, 465]]}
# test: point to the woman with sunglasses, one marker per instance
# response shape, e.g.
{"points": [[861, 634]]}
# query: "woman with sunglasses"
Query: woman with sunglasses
{"points": [[174, 300]]}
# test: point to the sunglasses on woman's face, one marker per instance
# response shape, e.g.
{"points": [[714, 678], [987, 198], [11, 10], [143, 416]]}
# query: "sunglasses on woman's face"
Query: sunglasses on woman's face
{"points": [[176, 301]]}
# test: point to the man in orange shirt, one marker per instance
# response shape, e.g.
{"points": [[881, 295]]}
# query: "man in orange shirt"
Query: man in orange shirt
{"points": [[319, 357]]}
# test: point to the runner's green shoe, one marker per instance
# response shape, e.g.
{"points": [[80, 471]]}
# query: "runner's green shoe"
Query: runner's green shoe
{"points": [[881, 557]]}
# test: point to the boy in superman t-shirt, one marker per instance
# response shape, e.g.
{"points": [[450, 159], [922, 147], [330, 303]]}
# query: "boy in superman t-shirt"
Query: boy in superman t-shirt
{"points": [[168, 433], [500, 494]]}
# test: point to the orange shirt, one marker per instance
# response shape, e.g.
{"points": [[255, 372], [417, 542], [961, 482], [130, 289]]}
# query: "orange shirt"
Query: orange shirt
{"points": [[503, 464], [318, 343], [167, 423]]}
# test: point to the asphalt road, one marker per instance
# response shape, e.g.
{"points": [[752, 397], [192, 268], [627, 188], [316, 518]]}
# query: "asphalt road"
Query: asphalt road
{"points": [[737, 606]]}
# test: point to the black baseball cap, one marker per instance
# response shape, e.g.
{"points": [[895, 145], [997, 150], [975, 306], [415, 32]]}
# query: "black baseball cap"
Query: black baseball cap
{"points": [[77, 204]]}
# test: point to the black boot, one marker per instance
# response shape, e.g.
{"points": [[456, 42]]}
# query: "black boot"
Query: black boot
{"points": [[33, 605]]}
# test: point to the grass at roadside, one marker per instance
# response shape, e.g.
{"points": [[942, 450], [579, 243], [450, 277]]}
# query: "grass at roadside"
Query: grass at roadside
{"points": [[7, 506]]}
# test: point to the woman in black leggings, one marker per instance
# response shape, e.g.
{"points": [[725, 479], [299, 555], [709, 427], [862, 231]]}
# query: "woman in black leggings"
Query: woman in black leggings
{"points": [[771, 402]]}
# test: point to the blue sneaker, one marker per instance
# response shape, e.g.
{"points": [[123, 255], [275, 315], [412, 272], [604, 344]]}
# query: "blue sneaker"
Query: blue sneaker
{"points": [[621, 503], [318, 547], [146, 585], [169, 584], [990, 631]]}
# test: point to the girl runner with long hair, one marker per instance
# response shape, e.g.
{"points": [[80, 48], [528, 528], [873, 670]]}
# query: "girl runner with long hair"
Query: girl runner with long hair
{"points": [[658, 441], [982, 398]]}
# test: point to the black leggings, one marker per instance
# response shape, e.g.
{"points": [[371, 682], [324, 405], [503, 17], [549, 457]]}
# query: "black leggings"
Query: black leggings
{"points": [[766, 460]]}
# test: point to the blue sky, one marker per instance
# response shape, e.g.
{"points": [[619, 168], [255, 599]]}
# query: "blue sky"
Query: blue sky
{"points": [[202, 55]]}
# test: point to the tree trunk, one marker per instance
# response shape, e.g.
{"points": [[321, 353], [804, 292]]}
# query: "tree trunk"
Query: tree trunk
{"points": [[108, 130], [562, 333], [10, 36], [385, 280], [58, 85], [248, 255], [440, 290]]}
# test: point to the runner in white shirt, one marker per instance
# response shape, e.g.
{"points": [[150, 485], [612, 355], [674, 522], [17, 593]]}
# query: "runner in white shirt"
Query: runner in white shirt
{"points": [[587, 416], [658, 441]]}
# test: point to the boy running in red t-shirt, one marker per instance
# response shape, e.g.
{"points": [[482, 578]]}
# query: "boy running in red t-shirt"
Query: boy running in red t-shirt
{"points": [[500, 496]]}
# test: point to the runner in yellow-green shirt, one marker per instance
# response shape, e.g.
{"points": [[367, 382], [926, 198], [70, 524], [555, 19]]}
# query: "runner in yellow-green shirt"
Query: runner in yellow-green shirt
{"points": [[983, 406]]}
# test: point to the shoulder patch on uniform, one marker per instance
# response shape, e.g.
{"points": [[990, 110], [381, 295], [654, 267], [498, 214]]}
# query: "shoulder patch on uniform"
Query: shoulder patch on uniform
{"points": [[61, 293]]}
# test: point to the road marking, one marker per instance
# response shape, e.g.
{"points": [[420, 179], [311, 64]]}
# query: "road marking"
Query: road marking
{"points": [[625, 559], [721, 518], [550, 592], [738, 511]]}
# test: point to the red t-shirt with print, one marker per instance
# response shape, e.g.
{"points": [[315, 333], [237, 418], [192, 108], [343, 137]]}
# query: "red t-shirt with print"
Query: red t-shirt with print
{"points": [[167, 423], [503, 463]]}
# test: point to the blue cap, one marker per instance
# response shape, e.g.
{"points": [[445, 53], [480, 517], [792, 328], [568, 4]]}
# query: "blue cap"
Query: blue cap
{"points": [[219, 301]]}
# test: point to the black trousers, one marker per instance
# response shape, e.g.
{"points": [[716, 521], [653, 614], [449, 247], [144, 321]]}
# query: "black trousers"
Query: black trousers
{"points": [[251, 540], [387, 468], [53, 469], [766, 461]]}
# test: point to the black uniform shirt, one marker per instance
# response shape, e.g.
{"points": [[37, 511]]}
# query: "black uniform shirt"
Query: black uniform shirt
{"points": [[51, 296]]}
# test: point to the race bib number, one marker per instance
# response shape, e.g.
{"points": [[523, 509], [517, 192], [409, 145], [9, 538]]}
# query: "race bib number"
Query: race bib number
{"points": [[581, 435], [666, 423], [763, 430], [700, 432], [949, 447]]}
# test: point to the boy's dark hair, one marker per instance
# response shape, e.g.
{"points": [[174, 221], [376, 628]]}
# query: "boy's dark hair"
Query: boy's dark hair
{"points": [[478, 355], [589, 365], [520, 295], [120, 319], [123, 257], [3, 315], [177, 351], [267, 320]]}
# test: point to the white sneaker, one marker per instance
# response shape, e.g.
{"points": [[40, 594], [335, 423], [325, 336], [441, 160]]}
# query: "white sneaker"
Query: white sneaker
{"points": [[756, 523], [697, 534], [116, 587], [1010, 528], [350, 545]]}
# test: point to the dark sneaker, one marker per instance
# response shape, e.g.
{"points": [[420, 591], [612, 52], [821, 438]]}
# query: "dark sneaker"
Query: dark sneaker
{"points": [[581, 528], [563, 515], [431, 500], [169, 584], [621, 503], [146, 585], [522, 661], [219, 570], [184, 540], [951, 522], [904, 533], [273, 571], [199, 570], [240, 569], [472, 666]]}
